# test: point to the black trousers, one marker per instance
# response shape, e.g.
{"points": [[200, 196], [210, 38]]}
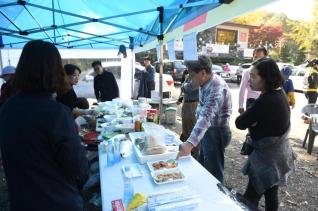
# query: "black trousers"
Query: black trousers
{"points": [[271, 197]]}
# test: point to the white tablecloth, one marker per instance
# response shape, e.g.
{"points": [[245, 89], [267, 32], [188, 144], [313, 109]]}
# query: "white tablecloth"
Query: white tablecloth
{"points": [[197, 179]]}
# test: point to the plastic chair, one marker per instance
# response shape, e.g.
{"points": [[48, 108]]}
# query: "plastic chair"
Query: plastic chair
{"points": [[311, 111]]}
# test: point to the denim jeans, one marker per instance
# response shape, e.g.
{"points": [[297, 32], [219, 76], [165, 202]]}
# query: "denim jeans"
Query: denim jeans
{"points": [[213, 144]]}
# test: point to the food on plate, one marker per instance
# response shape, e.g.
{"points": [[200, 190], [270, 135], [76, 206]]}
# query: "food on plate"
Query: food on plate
{"points": [[163, 177], [164, 164], [137, 200]]}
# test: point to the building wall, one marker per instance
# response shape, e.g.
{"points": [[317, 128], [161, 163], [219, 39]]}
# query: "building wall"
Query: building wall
{"points": [[242, 36]]}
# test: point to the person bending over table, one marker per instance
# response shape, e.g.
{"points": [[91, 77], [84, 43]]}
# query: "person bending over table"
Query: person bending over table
{"points": [[213, 114]]}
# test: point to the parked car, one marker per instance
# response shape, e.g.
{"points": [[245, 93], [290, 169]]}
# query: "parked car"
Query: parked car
{"points": [[240, 70], [236, 74], [281, 65], [174, 68], [299, 78], [217, 69]]}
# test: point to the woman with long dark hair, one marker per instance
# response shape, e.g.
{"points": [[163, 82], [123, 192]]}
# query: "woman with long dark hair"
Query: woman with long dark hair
{"points": [[271, 157], [44, 161]]}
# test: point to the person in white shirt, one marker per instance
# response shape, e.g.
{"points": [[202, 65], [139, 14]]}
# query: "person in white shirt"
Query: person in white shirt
{"points": [[252, 95]]}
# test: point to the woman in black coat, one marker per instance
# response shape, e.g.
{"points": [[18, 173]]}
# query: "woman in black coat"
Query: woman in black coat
{"points": [[271, 157], [44, 162]]}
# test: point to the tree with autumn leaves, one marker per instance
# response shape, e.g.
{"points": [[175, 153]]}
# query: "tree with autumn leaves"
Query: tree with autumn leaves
{"points": [[288, 40], [305, 33], [265, 35]]}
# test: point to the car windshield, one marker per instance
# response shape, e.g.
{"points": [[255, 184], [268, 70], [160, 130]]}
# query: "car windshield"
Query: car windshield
{"points": [[246, 66], [216, 68], [179, 64]]}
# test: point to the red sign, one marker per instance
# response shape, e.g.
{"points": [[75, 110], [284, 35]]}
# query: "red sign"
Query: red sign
{"points": [[243, 37], [195, 22]]}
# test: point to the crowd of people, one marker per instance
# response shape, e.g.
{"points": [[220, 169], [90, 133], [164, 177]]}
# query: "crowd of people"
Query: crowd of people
{"points": [[44, 158]]}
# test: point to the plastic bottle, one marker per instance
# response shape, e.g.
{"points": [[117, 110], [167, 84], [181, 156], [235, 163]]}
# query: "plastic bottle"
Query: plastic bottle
{"points": [[128, 190], [110, 153], [116, 144], [137, 123]]}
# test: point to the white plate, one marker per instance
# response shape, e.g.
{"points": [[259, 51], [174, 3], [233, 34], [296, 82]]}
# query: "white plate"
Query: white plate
{"points": [[132, 170], [176, 170], [151, 168]]}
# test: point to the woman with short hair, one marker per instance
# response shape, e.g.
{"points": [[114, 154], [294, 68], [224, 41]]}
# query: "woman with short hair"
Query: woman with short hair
{"points": [[69, 98], [271, 159]]}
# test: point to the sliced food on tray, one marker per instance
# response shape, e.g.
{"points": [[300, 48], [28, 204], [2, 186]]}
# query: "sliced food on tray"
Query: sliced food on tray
{"points": [[163, 177], [154, 145], [160, 165]]}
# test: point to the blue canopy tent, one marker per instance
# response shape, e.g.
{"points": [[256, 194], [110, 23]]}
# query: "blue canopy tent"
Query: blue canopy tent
{"points": [[107, 24]]}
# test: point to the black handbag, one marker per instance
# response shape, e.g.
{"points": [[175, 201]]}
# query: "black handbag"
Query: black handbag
{"points": [[247, 148]]}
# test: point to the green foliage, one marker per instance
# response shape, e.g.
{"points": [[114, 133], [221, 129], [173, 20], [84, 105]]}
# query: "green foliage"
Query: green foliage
{"points": [[305, 33]]}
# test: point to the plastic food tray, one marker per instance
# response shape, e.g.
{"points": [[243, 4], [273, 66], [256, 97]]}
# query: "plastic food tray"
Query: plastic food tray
{"points": [[176, 170], [145, 158]]}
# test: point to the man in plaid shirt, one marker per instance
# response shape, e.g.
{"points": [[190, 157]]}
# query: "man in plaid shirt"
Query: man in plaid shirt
{"points": [[213, 115]]}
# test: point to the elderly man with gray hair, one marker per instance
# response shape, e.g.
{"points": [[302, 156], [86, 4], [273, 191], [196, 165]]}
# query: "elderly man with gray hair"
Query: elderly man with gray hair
{"points": [[213, 115]]}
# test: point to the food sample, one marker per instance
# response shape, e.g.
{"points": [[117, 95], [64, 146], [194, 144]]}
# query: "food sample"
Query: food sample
{"points": [[154, 150], [164, 164], [153, 145], [164, 177]]}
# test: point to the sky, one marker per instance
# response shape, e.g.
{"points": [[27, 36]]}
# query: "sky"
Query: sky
{"points": [[294, 9]]}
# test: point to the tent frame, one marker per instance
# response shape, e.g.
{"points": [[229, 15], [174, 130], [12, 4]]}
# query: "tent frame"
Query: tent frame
{"points": [[23, 33]]}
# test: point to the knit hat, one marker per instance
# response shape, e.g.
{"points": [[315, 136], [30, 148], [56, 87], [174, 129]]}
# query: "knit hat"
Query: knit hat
{"points": [[286, 71]]}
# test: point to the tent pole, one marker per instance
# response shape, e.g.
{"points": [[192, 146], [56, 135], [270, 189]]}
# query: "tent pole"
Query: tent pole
{"points": [[1, 63], [132, 72], [160, 82], [160, 39], [53, 14]]}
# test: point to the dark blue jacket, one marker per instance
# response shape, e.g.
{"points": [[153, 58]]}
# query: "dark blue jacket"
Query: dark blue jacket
{"points": [[44, 161]]}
